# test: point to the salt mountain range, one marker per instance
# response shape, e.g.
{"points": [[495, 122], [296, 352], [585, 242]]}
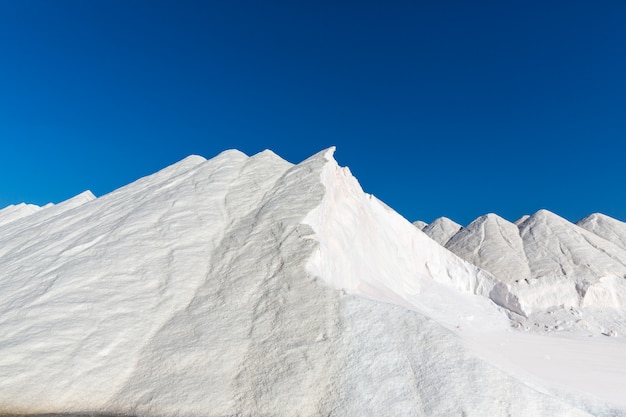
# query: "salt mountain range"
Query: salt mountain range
{"points": [[249, 286], [546, 261]]}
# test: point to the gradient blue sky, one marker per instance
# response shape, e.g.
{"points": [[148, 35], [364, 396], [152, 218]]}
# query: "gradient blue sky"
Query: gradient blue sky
{"points": [[439, 108]]}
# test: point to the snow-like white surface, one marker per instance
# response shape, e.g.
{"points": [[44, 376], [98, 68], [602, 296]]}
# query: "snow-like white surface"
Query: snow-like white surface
{"points": [[441, 230], [250, 286]]}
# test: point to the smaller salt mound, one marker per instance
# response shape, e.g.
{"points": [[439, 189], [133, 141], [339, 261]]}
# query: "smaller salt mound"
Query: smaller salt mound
{"points": [[547, 262], [420, 224], [441, 230], [570, 266], [606, 227], [494, 244]]}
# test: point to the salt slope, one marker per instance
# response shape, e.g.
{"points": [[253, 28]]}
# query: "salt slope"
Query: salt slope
{"points": [[85, 290], [441, 230], [494, 244], [187, 292], [369, 249]]}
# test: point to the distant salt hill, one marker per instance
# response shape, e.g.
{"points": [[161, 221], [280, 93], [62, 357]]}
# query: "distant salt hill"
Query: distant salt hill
{"points": [[545, 260]]}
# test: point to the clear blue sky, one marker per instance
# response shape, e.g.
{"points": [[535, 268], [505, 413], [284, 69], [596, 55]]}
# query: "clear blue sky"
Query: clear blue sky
{"points": [[439, 108]]}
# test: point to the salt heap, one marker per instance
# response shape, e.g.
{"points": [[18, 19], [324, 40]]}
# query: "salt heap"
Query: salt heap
{"points": [[553, 274], [250, 286]]}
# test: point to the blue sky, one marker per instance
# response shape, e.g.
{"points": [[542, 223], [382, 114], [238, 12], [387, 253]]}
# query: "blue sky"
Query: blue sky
{"points": [[439, 108]]}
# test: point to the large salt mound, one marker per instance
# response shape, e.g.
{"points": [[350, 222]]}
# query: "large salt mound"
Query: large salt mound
{"points": [[249, 286]]}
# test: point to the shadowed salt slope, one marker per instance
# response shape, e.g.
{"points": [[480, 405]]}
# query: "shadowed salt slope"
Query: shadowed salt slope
{"points": [[212, 289], [441, 230], [368, 249]]}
